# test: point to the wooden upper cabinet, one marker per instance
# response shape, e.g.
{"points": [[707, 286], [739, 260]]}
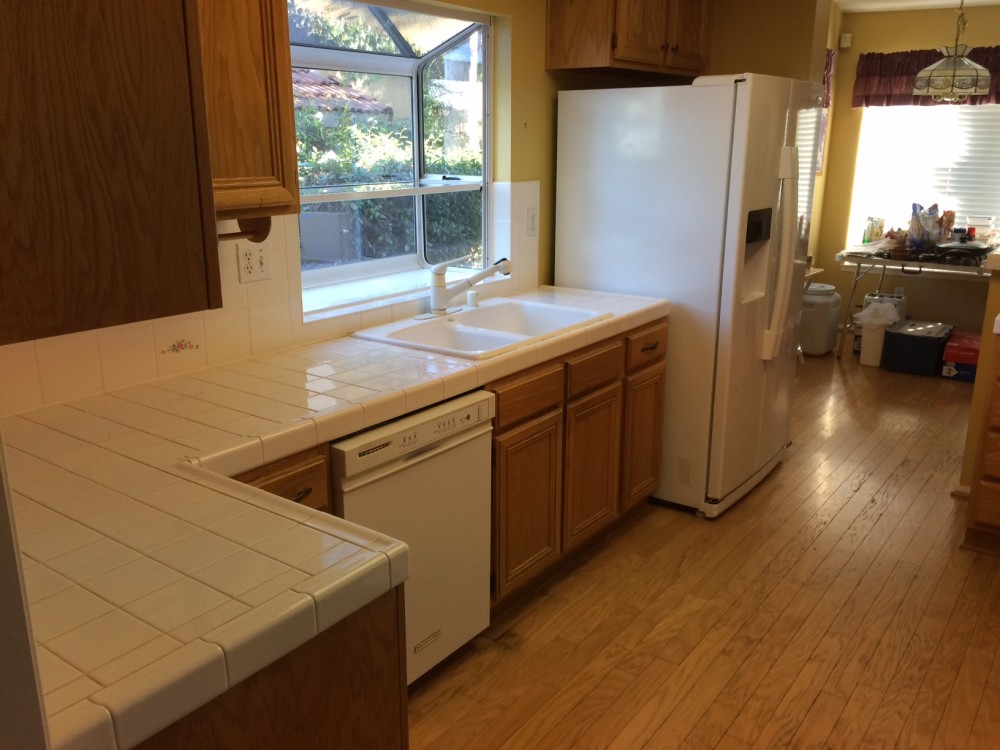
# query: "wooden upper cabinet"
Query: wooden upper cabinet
{"points": [[657, 36], [248, 87], [687, 35], [639, 28], [106, 210]]}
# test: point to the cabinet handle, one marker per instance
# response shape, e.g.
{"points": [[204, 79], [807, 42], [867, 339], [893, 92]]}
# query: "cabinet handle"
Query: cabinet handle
{"points": [[651, 347], [302, 495], [675, 48]]}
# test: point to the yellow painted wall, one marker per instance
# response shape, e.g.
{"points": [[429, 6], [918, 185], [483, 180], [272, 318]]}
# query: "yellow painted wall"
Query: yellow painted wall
{"points": [[778, 37]]}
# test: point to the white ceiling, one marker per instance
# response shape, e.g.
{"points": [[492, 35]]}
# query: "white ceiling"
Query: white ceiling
{"points": [[865, 6]]}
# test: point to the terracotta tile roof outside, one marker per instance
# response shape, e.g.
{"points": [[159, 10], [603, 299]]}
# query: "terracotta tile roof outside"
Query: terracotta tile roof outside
{"points": [[328, 94]]}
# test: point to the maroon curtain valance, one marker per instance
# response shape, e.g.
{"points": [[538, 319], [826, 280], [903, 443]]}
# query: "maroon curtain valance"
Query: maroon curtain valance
{"points": [[886, 78]]}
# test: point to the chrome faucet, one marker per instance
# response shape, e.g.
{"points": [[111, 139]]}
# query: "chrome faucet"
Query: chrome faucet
{"points": [[442, 292]]}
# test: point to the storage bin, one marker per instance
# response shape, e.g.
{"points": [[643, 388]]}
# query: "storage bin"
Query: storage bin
{"points": [[915, 347], [820, 312]]}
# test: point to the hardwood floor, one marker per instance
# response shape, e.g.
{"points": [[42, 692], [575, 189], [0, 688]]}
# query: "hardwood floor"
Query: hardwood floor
{"points": [[832, 607]]}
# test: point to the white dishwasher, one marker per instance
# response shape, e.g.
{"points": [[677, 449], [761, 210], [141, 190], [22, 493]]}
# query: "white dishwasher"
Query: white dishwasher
{"points": [[425, 479]]}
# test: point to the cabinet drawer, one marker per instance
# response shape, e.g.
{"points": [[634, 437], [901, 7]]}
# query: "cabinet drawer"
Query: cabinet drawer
{"points": [[646, 345], [985, 506], [303, 478], [594, 367], [528, 394]]}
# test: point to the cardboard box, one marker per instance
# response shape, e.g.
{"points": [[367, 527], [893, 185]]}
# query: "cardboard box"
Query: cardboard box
{"points": [[961, 356], [915, 346]]}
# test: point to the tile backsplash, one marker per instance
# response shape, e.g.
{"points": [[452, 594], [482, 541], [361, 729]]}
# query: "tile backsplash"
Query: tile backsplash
{"points": [[255, 318]]}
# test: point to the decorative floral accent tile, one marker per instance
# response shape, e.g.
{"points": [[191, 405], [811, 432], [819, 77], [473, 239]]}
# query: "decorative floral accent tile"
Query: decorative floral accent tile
{"points": [[180, 345]]}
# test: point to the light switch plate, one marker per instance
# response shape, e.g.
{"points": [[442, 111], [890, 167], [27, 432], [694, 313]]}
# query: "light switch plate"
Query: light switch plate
{"points": [[532, 222]]}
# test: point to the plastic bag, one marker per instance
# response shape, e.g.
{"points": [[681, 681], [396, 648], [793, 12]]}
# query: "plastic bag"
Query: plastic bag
{"points": [[877, 315], [923, 230]]}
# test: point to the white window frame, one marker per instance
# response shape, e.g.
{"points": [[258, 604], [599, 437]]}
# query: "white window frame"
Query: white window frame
{"points": [[403, 266]]}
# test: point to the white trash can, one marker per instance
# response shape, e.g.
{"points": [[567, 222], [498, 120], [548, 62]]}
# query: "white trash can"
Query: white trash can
{"points": [[874, 319], [871, 345], [820, 312]]}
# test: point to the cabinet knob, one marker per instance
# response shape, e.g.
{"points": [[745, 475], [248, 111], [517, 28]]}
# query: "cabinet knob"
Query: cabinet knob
{"points": [[675, 48]]}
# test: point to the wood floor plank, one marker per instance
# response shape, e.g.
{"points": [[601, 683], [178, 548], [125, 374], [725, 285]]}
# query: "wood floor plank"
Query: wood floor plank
{"points": [[904, 683], [851, 725], [819, 721], [831, 607], [986, 728]]}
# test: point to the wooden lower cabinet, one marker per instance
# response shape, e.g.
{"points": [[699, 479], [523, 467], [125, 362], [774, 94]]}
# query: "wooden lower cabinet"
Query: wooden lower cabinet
{"points": [[576, 444], [345, 688], [642, 434], [302, 478], [527, 492], [591, 463]]}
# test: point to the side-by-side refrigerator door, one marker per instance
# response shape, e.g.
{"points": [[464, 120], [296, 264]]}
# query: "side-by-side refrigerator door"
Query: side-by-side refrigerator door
{"points": [[762, 287], [803, 134]]}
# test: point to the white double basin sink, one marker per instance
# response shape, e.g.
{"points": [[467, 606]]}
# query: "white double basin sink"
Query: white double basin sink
{"points": [[493, 328]]}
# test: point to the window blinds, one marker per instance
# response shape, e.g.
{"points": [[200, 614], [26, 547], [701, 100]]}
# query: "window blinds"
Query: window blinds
{"points": [[943, 154]]}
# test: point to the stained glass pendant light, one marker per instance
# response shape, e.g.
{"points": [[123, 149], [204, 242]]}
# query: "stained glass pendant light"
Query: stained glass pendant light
{"points": [[955, 77]]}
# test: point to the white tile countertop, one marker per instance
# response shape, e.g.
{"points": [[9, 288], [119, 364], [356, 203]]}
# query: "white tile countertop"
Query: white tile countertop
{"points": [[154, 581]]}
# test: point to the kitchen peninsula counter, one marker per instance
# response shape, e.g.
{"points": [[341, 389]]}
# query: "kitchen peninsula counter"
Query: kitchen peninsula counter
{"points": [[155, 582]]}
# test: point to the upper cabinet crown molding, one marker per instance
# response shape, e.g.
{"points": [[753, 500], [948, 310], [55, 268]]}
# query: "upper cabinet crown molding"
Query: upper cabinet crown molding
{"points": [[251, 124], [656, 36]]}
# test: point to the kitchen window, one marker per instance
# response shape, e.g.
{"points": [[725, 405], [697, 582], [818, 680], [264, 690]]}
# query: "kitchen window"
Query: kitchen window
{"points": [[390, 114], [944, 154]]}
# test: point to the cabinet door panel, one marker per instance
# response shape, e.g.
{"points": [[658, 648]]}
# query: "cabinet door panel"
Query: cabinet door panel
{"points": [[641, 25], [248, 86], [593, 443], [105, 193], [687, 27], [579, 33], [527, 494], [643, 434]]}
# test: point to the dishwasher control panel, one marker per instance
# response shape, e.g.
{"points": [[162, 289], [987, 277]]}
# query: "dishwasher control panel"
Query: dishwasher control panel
{"points": [[414, 433]]}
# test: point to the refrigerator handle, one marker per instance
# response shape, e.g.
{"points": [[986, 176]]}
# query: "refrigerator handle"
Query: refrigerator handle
{"points": [[788, 173]]}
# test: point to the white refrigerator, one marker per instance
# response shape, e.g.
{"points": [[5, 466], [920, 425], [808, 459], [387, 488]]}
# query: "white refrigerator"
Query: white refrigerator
{"points": [[700, 194]]}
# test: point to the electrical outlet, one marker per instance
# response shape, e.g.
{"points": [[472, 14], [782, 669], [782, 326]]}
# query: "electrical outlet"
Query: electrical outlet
{"points": [[254, 262], [532, 222]]}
